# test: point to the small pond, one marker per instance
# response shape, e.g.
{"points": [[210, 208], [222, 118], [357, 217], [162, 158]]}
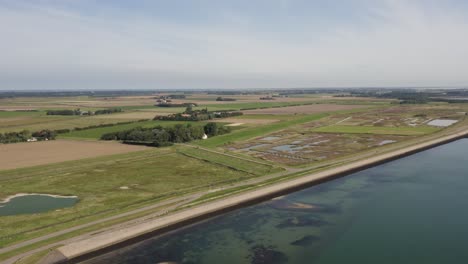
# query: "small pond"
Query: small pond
{"points": [[442, 122], [35, 203], [385, 142], [270, 138]]}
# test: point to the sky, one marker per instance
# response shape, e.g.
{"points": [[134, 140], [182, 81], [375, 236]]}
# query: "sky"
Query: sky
{"points": [[190, 44]]}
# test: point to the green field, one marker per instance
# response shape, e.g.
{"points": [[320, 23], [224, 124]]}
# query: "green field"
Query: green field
{"points": [[256, 131], [8, 114], [36, 123], [249, 167], [151, 175], [406, 131]]}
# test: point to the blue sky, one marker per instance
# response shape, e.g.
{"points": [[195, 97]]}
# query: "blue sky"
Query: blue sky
{"points": [[86, 44]]}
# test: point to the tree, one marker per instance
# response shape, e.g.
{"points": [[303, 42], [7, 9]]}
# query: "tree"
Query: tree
{"points": [[189, 109], [211, 129]]}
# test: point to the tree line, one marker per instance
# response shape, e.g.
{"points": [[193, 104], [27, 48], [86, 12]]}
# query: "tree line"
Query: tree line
{"points": [[78, 111], [25, 135], [197, 115], [159, 136]]}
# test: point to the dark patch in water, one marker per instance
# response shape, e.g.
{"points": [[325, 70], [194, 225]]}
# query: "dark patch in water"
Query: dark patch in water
{"points": [[300, 221], [305, 241], [261, 254], [283, 204]]}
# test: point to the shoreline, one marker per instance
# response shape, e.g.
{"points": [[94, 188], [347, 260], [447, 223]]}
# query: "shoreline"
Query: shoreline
{"points": [[105, 242], [11, 197]]}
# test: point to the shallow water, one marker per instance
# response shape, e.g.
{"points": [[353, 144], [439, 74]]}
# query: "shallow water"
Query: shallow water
{"points": [[442, 122], [411, 210], [385, 142], [270, 138], [32, 204]]}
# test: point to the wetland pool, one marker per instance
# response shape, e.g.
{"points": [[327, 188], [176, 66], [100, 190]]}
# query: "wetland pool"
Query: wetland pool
{"points": [[35, 203]]}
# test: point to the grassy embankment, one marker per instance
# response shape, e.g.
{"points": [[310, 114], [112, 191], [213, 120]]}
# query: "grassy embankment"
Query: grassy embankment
{"points": [[150, 175]]}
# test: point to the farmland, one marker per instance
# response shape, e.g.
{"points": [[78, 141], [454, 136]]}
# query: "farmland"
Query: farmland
{"points": [[275, 138], [37, 153]]}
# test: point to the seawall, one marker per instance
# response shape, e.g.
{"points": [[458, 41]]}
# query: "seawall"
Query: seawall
{"points": [[106, 242]]}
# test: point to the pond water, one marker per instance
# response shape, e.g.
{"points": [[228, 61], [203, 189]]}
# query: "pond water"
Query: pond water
{"points": [[270, 138], [386, 141], [442, 122], [287, 148], [412, 210], [35, 203], [254, 147]]}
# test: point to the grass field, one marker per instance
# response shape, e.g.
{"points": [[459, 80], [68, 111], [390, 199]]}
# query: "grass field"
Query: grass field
{"points": [[36, 123], [251, 132], [250, 167], [150, 175], [408, 131]]}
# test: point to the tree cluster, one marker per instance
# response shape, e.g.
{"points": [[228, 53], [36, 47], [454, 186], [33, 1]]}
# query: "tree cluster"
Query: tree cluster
{"points": [[107, 111], [175, 105], [25, 135], [165, 136], [225, 99], [64, 112], [80, 112], [197, 115]]}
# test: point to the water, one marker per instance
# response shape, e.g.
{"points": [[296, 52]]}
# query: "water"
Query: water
{"points": [[270, 138], [286, 148], [34, 203], [442, 122], [412, 210], [254, 147], [385, 142]]}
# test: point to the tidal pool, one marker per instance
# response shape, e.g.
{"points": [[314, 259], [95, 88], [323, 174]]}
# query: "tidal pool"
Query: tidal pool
{"points": [[412, 210], [35, 203]]}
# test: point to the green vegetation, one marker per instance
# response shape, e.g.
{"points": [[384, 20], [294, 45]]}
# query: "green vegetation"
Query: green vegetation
{"points": [[25, 135], [149, 175], [65, 112], [8, 114], [251, 167], [407, 131], [197, 115], [96, 133], [251, 132], [165, 136]]}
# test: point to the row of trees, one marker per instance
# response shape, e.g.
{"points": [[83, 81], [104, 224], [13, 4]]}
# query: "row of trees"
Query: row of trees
{"points": [[197, 115], [81, 112], [225, 99], [64, 112], [165, 136], [107, 111], [25, 135]]}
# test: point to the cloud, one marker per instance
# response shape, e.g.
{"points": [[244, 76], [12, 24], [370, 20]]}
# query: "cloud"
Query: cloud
{"points": [[393, 43]]}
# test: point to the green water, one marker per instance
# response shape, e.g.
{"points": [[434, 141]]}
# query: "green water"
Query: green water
{"points": [[32, 204], [413, 210]]}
